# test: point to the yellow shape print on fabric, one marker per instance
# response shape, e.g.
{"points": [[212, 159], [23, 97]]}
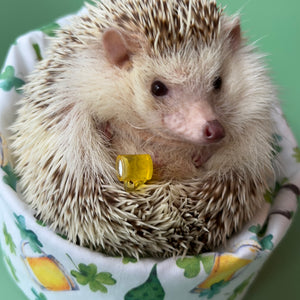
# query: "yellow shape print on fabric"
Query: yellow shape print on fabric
{"points": [[48, 273], [226, 265], [224, 268]]}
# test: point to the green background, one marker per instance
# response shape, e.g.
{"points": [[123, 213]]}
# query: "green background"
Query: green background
{"points": [[275, 25]]}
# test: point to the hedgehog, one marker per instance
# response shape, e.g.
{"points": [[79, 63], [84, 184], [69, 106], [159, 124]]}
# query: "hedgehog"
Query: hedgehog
{"points": [[173, 79]]}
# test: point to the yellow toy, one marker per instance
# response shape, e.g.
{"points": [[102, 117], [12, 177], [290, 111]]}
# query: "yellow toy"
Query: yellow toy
{"points": [[134, 170]]}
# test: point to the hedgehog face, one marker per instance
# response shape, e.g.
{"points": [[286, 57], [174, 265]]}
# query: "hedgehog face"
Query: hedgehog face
{"points": [[188, 63], [215, 81], [182, 98]]}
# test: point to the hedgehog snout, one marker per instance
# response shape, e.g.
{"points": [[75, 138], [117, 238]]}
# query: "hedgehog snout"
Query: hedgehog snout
{"points": [[213, 131]]}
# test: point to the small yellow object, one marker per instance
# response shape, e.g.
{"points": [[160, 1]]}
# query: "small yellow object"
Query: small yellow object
{"points": [[134, 170]]}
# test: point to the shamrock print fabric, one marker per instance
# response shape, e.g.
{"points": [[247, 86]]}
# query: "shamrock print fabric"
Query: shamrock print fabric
{"points": [[46, 266], [9, 81]]}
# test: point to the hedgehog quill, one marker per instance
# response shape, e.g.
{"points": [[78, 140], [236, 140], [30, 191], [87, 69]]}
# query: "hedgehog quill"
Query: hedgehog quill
{"points": [[173, 79]]}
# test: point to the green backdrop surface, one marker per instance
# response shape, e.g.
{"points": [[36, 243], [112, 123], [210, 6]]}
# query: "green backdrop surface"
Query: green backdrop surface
{"points": [[275, 26]]}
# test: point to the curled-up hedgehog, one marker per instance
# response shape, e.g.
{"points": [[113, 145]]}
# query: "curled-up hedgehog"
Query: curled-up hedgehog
{"points": [[173, 79]]}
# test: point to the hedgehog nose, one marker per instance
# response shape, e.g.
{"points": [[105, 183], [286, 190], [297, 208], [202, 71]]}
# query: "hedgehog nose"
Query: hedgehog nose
{"points": [[213, 131]]}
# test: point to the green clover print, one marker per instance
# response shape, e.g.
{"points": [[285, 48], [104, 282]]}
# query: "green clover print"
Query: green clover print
{"points": [[87, 274], [8, 81]]}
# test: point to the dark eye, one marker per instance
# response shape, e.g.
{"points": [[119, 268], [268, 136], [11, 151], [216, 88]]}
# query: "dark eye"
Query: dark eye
{"points": [[159, 89], [217, 84]]}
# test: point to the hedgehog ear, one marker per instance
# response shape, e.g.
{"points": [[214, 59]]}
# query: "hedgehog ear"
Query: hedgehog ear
{"points": [[234, 34], [115, 47]]}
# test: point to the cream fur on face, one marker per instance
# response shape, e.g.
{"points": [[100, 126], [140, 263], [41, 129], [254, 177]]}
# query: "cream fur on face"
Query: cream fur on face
{"points": [[91, 100]]}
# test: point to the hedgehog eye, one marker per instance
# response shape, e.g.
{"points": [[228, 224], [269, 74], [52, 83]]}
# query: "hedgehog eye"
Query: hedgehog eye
{"points": [[217, 84], [159, 89]]}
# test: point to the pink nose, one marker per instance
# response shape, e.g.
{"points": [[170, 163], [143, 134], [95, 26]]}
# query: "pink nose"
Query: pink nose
{"points": [[213, 131]]}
